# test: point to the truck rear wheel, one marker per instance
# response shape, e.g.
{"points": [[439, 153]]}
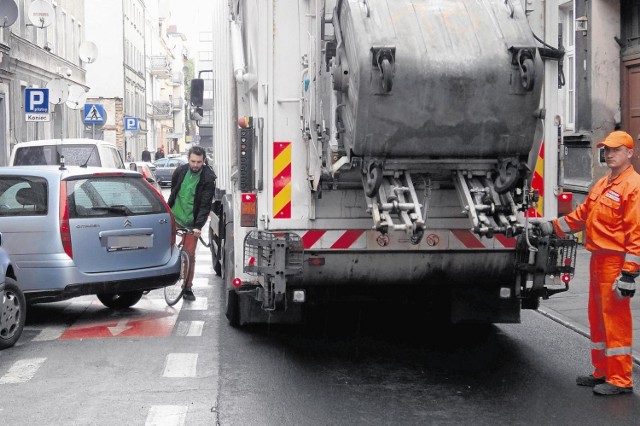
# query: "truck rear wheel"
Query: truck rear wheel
{"points": [[215, 254], [233, 308]]}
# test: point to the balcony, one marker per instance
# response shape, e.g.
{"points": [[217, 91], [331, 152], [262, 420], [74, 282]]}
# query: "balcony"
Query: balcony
{"points": [[161, 110], [177, 103], [160, 67]]}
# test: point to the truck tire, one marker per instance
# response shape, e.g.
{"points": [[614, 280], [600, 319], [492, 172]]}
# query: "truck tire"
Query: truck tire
{"points": [[215, 255], [233, 308]]}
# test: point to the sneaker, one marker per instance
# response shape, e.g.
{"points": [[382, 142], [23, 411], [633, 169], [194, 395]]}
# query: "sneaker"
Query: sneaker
{"points": [[609, 389], [188, 295], [589, 380]]}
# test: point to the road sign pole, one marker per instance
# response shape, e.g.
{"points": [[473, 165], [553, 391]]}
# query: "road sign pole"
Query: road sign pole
{"points": [[93, 131]]}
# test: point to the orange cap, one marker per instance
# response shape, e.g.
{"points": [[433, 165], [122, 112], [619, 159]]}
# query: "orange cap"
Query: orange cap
{"points": [[616, 139]]}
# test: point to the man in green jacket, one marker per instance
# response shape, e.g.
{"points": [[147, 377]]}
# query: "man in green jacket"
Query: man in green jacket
{"points": [[192, 189]]}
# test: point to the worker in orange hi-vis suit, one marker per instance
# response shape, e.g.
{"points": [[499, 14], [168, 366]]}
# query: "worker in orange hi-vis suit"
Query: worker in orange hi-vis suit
{"points": [[610, 216]]}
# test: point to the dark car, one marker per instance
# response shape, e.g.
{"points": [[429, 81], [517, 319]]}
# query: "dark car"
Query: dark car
{"points": [[165, 168]]}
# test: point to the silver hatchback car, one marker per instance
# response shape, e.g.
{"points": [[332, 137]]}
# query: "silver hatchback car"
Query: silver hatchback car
{"points": [[75, 231]]}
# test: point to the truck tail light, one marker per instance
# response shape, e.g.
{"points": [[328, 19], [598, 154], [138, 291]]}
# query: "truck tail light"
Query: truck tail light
{"points": [[248, 210], [65, 229]]}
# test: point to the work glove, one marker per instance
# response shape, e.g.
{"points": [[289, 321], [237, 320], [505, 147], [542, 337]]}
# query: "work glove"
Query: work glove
{"points": [[625, 284], [545, 226]]}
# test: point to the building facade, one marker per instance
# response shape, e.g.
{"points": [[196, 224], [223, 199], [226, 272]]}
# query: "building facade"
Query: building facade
{"points": [[32, 57]]}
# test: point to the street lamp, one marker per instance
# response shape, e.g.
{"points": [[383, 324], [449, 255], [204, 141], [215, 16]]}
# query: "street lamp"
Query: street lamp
{"points": [[582, 24]]}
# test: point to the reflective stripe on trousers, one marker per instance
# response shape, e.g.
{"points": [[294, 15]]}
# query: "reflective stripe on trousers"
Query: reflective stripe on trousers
{"points": [[610, 322]]}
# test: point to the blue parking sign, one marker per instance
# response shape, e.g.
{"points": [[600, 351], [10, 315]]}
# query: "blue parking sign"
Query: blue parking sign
{"points": [[130, 123], [36, 100]]}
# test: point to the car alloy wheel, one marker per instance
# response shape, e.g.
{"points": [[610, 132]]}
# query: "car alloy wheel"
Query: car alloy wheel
{"points": [[13, 313]]}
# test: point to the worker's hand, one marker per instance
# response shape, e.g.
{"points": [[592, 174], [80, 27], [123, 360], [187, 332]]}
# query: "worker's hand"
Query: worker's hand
{"points": [[197, 232], [625, 284], [544, 225]]}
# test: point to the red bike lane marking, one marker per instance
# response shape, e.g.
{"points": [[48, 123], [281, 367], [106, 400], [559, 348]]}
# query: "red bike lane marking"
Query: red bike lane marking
{"points": [[148, 318]]}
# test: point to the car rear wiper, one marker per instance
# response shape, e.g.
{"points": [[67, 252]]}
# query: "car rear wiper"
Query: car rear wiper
{"points": [[116, 208]]}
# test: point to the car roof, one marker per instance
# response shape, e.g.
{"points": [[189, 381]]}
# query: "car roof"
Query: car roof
{"points": [[55, 172], [72, 141]]}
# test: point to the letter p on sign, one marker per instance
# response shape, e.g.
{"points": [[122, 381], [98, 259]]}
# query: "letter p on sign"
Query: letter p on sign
{"points": [[36, 100], [130, 123]]}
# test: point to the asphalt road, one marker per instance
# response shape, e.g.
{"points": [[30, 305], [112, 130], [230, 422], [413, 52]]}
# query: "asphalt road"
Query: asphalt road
{"points": [[372, 368]]}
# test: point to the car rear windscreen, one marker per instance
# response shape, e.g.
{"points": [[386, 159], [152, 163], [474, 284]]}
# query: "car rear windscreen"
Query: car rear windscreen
{"points": [[108, 196], [74, 155]]}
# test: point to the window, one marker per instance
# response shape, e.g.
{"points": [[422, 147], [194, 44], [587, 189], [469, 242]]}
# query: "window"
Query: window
{"points": [[567, 95], [206, 36], [112, 196], [23, 196], [205, 55]]}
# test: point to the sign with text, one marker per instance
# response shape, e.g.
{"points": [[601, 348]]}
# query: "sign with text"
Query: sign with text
{"points": [[36, 104]]}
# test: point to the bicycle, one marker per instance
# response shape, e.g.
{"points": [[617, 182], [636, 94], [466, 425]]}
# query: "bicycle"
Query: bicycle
{"points": [[173, 293]]}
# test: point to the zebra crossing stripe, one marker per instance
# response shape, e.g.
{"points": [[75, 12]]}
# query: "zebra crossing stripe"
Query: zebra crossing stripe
{"points": [[49, 333], [190, 328], [167, 415], [200, 304], [180, 365], [22, 371]]}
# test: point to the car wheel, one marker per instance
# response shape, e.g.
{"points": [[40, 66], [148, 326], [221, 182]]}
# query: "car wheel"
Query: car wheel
{"points": [[120, 300], [13, 313]]}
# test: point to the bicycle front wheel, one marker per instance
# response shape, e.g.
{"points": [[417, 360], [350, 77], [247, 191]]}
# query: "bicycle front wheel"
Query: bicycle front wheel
{"points": [[173, 293]]}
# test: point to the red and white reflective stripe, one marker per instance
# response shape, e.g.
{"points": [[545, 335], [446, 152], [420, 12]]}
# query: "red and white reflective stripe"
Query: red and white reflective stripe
{"points": [[334, 239], [465, 239]]}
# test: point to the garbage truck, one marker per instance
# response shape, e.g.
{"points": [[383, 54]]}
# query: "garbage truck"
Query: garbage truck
{"points": [[378, 150]]}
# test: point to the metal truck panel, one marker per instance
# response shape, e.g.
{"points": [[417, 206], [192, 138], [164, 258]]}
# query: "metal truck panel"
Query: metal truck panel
{"points": [[455, 92]]}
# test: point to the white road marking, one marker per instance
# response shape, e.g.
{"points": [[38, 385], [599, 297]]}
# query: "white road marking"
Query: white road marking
{"points": [[200, 282], [200, 304], [120, 327], [180, 365], [166, 415], [190, 328], [78, 305], [22, 371], [49, 333], [203, 268]]}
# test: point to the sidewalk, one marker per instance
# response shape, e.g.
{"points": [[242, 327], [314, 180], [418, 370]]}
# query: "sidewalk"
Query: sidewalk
{"points": [[570, 308]]}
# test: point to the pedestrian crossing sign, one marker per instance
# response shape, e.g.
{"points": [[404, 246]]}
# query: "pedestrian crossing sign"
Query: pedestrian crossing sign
{"points": [[94, 114]]}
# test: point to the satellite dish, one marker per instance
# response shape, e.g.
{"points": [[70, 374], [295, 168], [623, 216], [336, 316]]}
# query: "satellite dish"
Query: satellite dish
{"points": [[8, 12], [41, 13], [88, 51], [77, 97], [58, 91]]}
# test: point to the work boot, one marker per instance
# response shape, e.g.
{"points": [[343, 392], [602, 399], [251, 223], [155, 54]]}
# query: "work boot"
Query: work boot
{"points": [[589, 380], [609, 389], [188, 295]]}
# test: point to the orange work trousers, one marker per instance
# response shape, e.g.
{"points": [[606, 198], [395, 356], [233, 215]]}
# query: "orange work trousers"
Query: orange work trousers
{"points": [[610, 322], [189, 242]]}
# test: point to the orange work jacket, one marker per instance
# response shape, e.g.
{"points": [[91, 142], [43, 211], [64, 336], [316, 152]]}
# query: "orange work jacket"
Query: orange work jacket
{"points": [[610, 215]]}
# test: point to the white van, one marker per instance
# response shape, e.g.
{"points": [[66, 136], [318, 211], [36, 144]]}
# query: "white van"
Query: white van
{"points": [[76, 152]]}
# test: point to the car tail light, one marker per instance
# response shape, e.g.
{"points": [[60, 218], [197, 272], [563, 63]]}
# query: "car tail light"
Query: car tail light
{"points": [[248, 210], [174, 227], [108, 174], [237, 282], [65, 229]]}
